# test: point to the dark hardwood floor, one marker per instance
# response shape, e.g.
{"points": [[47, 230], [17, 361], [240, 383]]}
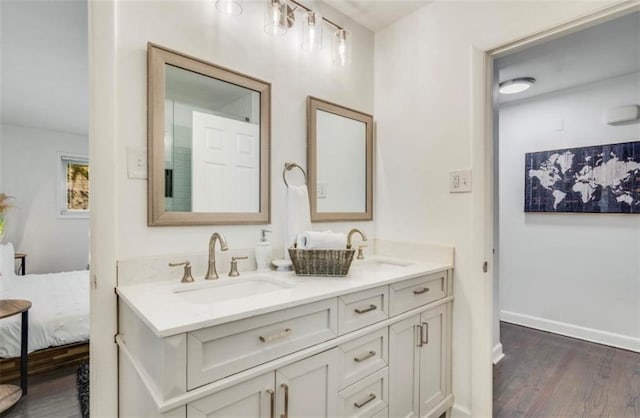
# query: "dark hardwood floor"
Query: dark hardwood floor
{"points": [[548, 375], [50, 395]]}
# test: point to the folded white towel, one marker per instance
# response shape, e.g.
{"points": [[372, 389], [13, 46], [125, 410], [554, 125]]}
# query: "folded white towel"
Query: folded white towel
{"points": [[322, 240], [298, 215]]}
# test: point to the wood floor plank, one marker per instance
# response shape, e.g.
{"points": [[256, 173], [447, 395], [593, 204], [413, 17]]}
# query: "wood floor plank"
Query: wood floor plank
{"points": [[548, 375], [50, 395]]}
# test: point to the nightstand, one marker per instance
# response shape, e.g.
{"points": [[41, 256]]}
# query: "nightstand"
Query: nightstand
{"points": [[10, 394]]}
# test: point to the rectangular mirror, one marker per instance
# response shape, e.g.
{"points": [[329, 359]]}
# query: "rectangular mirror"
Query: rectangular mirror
{"points": [[209, 136], [340, 162]]}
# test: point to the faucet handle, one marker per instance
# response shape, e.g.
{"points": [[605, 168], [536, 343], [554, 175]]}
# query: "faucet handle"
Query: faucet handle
{"points": [[360, 255], [234, 266], [186, 277]]}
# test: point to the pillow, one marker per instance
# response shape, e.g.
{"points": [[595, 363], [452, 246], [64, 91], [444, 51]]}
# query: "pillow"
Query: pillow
{"points": [[7, 260]]}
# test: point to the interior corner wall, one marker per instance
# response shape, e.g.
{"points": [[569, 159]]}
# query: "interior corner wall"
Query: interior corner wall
{"points": [[238, 43], [29, 165], [424, 95], [571, 273]]}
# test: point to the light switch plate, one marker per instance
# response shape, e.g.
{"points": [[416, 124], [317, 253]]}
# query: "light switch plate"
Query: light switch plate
{"points": [[136, 163], [460, 181], [321, 191]]}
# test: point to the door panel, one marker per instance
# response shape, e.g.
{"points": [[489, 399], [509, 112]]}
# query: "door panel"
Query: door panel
{"points": [[433, 359], [309, 387], [404, 364]]}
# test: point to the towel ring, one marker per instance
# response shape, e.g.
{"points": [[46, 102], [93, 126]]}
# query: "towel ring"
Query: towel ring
{"points": [[289, 166]]}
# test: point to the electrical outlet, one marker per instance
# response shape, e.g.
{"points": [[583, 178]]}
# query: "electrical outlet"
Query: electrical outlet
{"points": [[136, 163], [460, 181]]}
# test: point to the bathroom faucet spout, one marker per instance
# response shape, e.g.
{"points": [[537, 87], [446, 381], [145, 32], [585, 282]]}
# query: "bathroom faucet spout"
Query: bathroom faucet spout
{"points": [[353, 231], [211, 270]]}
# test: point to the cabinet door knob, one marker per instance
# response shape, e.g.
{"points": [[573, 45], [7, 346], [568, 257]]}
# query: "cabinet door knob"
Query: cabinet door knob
{"points": [[365, 310], [371, 397]]}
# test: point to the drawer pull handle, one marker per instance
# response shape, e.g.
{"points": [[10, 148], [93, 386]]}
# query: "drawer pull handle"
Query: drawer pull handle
{"points": [[366, 401], [272, 402], [286, 401], [276, 336], [421, 291], [365, 310], [364, 356]]}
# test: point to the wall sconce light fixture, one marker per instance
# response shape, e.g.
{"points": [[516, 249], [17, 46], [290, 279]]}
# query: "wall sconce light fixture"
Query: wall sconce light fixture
{"points": [[279, 17]]}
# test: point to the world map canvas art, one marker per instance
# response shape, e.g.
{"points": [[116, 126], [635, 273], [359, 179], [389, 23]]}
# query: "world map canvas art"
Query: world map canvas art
{"points": [[595, 179]]}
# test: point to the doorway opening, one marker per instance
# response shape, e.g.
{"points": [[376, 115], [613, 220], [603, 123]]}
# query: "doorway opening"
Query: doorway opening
{"points": [[566, 236]]}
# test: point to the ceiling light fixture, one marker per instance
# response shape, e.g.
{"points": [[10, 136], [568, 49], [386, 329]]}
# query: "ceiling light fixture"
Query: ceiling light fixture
{"points": [[229, 7], [516, 85]]}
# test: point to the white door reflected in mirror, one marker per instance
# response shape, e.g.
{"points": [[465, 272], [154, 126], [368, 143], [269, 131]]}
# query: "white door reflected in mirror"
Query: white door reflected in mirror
{"points": [[225, 165]]}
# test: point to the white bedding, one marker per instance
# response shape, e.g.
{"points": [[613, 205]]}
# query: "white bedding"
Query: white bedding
{"points": [[59, 313]]}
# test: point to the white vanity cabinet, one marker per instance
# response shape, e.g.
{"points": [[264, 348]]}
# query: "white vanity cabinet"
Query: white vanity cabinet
{"points": [[378, 351], [419, 352], [305, 388]]}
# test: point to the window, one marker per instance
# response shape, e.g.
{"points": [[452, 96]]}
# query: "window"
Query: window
{"points": [[73, 184]]}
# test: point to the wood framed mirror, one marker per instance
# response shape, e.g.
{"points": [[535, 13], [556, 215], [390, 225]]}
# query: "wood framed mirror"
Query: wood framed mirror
{"points": [[209, 141], [340, 162]]}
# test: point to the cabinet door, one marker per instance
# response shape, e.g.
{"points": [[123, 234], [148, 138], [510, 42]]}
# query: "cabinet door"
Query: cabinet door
{"points": [[404, 364], [309, 387], [433, 359], [251, 399]]}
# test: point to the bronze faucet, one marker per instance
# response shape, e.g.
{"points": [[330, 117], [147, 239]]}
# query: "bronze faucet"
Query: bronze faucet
{"points": [[211, 271], [353, 231]]}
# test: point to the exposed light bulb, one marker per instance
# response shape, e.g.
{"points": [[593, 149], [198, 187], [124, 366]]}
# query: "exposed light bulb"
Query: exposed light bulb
{"points": [[312, 31], [342, 48], [229, 7]]}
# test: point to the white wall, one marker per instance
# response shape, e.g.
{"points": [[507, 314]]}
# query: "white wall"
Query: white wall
{"points": [[425, 118], [239, 43], [577, 274], [29, 166]]}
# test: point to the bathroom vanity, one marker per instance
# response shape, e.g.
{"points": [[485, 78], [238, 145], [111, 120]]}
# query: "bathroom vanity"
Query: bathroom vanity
{"points": [[376, 343]]}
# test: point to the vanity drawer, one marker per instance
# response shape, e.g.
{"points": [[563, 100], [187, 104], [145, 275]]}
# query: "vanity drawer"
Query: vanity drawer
{"points": [[359, 309], [363, 356], [367, 398], [223, 350], [410, 294]]}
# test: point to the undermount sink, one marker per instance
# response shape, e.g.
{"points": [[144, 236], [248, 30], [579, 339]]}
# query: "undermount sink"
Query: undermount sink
{"points": [[380, 265], [228, 289]]}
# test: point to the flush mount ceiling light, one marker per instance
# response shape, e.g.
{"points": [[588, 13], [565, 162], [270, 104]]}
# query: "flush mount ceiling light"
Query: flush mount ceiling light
{"points": [[516, 85]]}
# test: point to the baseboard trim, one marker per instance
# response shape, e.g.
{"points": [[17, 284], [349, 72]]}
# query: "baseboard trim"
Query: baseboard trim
{"points": [[574, 331], [459, 411], [497, 353]]}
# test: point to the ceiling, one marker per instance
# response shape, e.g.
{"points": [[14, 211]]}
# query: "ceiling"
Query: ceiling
{"points": [[601, 52], [376, 14], [45, 70]]}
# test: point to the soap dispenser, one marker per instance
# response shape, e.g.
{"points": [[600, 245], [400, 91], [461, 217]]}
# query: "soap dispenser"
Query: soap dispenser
{"points": [[263, 252]]}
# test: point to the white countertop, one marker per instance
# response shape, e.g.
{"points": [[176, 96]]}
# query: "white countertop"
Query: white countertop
{"points": [[161, 307]]}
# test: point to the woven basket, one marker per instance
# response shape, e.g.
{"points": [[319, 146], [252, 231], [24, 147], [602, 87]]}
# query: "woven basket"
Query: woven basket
{"points": [[321, 262]]}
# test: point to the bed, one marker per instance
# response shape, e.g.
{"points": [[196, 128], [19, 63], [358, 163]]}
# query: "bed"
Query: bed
{"points": [[58, 321]]}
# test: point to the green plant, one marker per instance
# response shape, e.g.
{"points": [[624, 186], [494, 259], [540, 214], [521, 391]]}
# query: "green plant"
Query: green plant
{"points": [[4, 203]]}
